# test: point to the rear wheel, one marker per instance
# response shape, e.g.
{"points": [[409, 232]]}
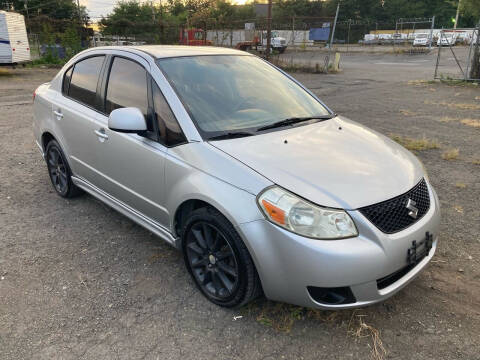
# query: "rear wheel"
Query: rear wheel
{"points": [[218, 260], [59, 171]]}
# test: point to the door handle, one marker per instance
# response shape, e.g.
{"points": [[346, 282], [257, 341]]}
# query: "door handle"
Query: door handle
{"points": [[58, 114], [101, 134]]}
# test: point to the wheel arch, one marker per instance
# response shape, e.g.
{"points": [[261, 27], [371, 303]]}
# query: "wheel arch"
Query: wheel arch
{"points": [[46, 138]]}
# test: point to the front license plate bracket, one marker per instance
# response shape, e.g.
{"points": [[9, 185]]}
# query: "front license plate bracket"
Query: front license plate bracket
{"points": [[416, 253]]}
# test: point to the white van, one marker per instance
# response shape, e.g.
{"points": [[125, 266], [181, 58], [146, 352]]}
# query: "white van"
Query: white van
{"points": [[14, 47]]}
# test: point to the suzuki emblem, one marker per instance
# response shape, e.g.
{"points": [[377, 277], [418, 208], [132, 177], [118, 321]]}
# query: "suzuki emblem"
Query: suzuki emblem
{"points": [[413, 210]]}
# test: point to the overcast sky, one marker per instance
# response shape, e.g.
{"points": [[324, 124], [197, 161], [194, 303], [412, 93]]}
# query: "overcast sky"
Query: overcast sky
{"points": [[97, 8]]}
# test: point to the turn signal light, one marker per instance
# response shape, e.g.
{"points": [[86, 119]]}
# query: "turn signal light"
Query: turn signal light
{"points": [[275, 213]]}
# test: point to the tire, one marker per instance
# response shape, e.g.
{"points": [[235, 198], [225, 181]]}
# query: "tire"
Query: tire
{"points": [[59, 171], [218, 260]]}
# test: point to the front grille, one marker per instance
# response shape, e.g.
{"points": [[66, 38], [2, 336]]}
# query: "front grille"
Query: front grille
{"points": [[391, 216]]}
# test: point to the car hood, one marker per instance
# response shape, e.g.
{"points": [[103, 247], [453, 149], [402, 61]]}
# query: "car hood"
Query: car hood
{"points": [[336, 163]]}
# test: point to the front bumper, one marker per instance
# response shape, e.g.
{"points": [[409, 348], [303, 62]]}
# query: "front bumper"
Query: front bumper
{"points": [[288, 263]]}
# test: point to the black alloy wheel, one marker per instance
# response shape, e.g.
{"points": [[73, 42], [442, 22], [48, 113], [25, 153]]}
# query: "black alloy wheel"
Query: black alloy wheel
{"points": [[59, 171], [212, 261], [218, 260]]}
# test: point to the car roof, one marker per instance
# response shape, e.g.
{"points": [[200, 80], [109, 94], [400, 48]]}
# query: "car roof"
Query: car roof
{"points": [[168, 51]]}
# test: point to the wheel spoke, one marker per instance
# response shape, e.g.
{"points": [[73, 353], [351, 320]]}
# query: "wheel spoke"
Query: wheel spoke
{"points": [[216, 283], [223, 254], [207, 278], [199, 237], [216, 242], [62, 181], [207, 235], [199, 262], [195, 248], [227, 269], [225, 281]]}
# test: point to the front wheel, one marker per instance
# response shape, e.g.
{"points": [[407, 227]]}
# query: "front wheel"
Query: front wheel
{"points": [[218, 260]]}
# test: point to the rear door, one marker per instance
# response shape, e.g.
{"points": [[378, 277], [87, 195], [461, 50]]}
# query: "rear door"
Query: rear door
{"points": [[75, 113], [132, 166]]}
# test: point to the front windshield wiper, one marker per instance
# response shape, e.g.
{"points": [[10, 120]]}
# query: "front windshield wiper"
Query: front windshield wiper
{"points": [[231, 135], [294, 120]]}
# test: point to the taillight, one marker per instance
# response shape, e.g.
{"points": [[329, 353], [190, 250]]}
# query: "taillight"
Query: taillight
{"points": [[28, 49], [13, 49], [34, 94]]}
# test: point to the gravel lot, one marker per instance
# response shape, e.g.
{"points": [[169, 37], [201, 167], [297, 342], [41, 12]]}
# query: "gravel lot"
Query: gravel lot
{"points": [[78, 280]]}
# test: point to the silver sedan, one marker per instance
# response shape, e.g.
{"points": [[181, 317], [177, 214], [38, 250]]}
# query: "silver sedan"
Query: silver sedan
{"points": [[231, 160]]}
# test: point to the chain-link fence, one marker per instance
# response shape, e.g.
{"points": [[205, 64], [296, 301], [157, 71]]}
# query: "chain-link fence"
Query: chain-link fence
{"points": [[456, 62]]}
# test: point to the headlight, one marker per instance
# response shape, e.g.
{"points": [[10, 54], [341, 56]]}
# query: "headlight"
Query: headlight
{"points": [[303, 218]]}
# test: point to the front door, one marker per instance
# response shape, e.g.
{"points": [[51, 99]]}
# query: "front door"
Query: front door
{"points": [[131, 166]]}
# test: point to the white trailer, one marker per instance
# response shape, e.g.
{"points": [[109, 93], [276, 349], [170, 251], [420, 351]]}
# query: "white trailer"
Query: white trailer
{"points": [[14, 47]]}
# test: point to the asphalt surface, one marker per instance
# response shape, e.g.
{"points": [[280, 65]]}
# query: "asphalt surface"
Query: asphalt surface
{"points": [[80, 281]]}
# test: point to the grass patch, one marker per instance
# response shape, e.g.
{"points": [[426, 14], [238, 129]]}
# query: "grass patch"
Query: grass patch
{"points": [[476, 161], [457, 82], [447, 119], [461, 106], [471, 122], [421, 82], [408, 113], [5, 72], [415, 144], [460, 185], [451, 154], [311, 68]]}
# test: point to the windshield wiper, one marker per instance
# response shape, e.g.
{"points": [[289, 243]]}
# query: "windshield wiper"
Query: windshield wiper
{"points": [[294, 120], [231, 135]]}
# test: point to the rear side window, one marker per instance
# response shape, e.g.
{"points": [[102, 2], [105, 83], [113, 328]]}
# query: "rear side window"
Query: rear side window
{"points": [[66, 80], [170, 131], [83, 84], [127, 86]]}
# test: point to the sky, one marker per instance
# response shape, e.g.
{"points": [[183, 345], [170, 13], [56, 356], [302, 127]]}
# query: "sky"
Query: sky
{"points": [[97, 8]]}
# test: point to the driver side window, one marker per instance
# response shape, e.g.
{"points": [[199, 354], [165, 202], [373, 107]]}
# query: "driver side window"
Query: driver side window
{"points": [[127, 87]]}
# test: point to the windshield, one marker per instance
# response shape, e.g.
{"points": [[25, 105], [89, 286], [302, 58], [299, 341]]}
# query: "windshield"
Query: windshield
{"points": [[422, 36], [233, 93]]}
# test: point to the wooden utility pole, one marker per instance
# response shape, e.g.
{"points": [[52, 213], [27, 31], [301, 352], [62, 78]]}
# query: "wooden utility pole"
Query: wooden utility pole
{"points": [[269, 29], [456, 16]]}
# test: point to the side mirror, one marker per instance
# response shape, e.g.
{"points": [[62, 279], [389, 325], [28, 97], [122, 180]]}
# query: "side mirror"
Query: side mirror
{"points": [[127, 120]]}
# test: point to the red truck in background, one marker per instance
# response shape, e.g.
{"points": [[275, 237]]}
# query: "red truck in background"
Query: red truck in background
{"points": [[195, 37]]}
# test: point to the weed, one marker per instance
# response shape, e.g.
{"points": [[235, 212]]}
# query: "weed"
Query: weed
{"points": [[415, 144], [460, 185], [458, 209], [360, 329], [451, 154], [476, 161], [471, 122]]}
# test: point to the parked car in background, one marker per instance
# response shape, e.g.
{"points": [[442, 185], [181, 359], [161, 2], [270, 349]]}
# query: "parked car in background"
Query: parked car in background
{"points": [[447, 39], [14, 47], [260, 184], [421, 39]]}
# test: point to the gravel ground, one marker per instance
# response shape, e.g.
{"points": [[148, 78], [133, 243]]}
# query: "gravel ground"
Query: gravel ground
{"points": [[78, 280]]}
